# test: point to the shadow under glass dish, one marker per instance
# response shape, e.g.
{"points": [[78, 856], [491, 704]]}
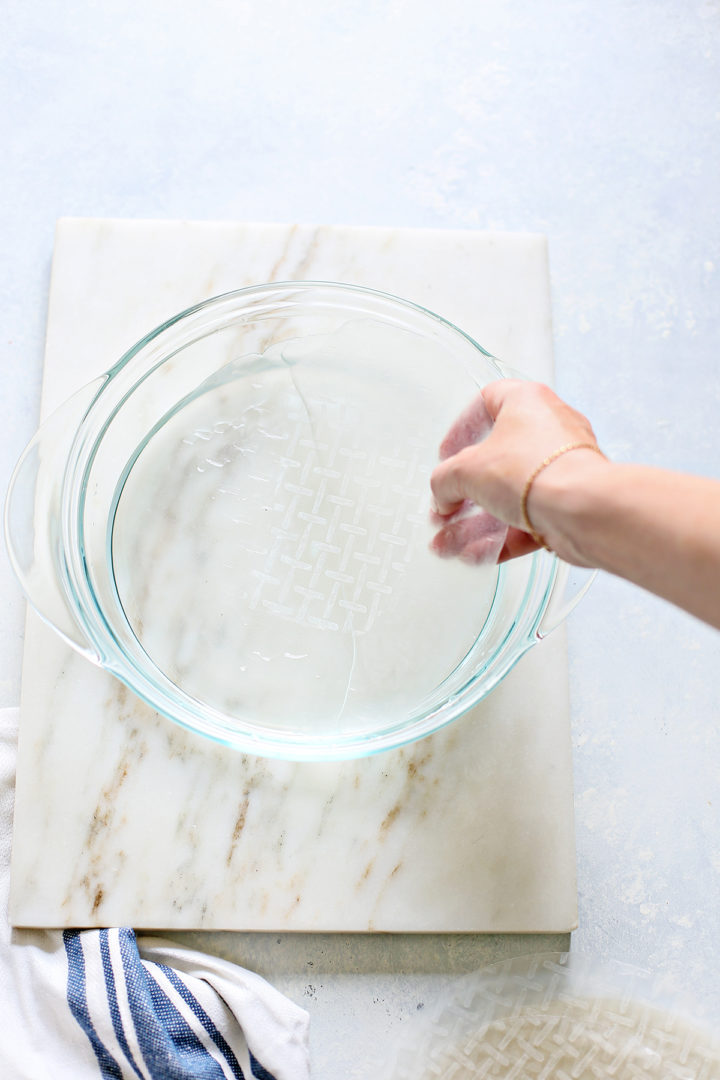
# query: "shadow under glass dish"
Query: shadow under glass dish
{"points": [[234, 521]]}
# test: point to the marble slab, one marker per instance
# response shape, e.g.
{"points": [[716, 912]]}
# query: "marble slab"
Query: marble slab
{"points": [[123, 817]]}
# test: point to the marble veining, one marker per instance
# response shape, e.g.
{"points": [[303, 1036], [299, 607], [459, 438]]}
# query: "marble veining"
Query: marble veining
{"points": [[123, 817]]}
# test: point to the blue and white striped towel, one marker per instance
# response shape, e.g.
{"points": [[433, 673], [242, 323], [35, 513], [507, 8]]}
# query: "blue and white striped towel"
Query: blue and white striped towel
{"points": [[85, 1004]]}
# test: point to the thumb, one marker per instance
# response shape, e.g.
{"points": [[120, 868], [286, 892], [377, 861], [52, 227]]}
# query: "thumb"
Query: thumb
{"points": [[453, 480]]}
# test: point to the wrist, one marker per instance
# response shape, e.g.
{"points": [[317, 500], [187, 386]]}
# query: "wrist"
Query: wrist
{"points": [[564, 501]]}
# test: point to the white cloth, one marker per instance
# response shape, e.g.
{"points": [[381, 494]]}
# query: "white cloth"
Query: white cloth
{"points": [[83, 1004]]}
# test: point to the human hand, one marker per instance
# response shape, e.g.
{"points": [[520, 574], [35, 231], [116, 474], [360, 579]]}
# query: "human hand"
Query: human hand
{"points": [[529, 423]]}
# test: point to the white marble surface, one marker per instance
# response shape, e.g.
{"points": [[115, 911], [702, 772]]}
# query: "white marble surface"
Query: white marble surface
{"points": [[595, 124], [469, 830]]}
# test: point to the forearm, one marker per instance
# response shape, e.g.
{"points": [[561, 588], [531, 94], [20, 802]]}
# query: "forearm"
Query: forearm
{"points": [[658, 529]]}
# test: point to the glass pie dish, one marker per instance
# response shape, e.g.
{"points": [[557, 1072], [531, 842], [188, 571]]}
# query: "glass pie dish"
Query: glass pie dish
{"points": [[234, 521]]}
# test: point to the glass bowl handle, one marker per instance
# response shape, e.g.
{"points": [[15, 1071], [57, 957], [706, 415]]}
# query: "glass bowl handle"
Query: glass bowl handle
{"points": [[33, 532], [570, 585]]}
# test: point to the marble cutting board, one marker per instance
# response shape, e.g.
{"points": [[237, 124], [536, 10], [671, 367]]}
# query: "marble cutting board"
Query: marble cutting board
{"points": [[122, 817]]}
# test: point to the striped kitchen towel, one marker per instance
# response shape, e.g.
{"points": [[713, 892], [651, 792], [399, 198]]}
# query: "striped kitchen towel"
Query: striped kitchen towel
{"points": [[89, 1004]]}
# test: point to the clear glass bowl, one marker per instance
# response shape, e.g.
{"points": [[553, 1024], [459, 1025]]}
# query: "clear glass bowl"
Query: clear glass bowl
{"points": [[234, 521]]}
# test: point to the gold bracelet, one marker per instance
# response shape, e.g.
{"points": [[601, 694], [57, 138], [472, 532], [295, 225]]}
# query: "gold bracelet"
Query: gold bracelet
{"points": [[534, 475]]}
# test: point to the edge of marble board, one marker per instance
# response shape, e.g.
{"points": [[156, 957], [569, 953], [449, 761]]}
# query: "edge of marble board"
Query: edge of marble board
{"points": [[563, 920], [512, 235], [280, 230]]}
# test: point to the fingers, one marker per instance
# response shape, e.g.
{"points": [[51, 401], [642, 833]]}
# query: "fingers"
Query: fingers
{"points": [[473, 424], [516, 543], [451, 481], [468, 540], [459, 479], [464, 508], [479, 538]]}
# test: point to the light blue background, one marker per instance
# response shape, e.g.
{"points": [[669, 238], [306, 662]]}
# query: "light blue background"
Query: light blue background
{"points": [[598, 124]]}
